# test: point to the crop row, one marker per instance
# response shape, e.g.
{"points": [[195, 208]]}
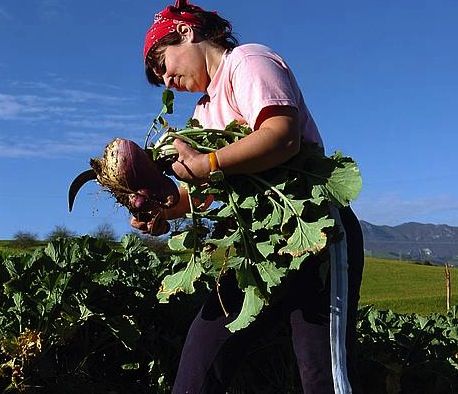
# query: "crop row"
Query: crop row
{"points": [[83, 315]]}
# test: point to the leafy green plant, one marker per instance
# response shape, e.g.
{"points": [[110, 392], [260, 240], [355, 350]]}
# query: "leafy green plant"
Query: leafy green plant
{"points": [[272, 221], [408, 353], [81, 315], [91, 312]]}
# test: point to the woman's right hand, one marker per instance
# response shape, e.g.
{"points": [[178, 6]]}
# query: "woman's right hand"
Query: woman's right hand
{"points": [[152, 222], [155, 222]]}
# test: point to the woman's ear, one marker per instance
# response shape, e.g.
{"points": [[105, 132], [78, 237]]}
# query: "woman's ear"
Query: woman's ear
{"points": [[187, 33]]}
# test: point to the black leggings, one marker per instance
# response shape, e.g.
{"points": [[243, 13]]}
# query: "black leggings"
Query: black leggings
{"points": [[211, 352]]}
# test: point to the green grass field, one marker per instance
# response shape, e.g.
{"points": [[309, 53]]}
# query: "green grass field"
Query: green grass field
{"points": [[8, 248], [406, 287]]}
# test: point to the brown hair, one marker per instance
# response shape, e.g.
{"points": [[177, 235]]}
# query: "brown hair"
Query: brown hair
{"points": [[212, 28]]}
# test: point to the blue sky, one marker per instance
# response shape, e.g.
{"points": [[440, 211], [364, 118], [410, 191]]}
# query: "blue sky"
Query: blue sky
{"points": [[380, 79]]}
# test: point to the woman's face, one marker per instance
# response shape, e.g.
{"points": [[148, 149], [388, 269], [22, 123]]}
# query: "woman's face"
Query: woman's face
{"points": [[185, 67]]}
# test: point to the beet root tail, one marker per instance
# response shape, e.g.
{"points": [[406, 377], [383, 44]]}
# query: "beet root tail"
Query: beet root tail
{"points": [[77, 184]]}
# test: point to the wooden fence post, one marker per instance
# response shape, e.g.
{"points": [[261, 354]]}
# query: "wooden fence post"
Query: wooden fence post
{"points": [[448, 287]]}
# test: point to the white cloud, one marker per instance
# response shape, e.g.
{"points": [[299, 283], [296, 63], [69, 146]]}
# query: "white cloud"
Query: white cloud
{"points": [[79, 96], [50, 9], [28, 107], [52, 101], [106, 122], [43, 111], [57, 93], [70, 144], [9, 107]]}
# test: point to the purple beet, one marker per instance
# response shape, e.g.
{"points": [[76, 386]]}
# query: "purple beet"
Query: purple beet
{"points": [[131, 176]]}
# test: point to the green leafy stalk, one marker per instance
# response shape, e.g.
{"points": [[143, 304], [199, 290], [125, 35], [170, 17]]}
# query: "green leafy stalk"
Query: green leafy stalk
{"points": [[272, 221], [167, 108], [253, 302], [184, 280]]}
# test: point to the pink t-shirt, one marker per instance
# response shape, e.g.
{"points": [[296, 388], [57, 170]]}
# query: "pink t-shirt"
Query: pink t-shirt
{"points": [[248, 79]]}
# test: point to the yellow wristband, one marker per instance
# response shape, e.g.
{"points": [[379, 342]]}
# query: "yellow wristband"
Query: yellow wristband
{"points": [[216, 175], [213, 160]]}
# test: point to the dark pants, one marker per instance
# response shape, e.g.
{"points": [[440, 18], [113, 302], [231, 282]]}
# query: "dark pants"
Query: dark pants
{"points": [[212, 353]]}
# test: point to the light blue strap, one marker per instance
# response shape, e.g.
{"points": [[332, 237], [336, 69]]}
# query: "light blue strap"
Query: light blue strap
{"points": [[338, 315]]}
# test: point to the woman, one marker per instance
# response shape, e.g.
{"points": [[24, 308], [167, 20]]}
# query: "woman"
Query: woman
{"points": [[190, 49]]}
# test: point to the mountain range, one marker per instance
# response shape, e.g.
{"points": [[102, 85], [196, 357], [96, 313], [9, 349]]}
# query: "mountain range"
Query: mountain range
{"points": [[433, 243]]}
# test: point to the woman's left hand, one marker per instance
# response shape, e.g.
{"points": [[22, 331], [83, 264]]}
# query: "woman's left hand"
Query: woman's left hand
{"points": [[191, 166]]}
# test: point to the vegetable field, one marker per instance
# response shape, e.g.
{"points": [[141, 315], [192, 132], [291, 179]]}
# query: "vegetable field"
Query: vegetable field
{"points": [[81, 315]]}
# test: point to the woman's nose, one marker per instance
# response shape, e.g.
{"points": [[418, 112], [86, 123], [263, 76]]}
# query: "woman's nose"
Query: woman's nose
{"points": [[168, 81]]}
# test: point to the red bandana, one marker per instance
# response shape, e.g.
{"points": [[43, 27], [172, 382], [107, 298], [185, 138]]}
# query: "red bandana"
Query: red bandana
{"points": [[165, 22]]}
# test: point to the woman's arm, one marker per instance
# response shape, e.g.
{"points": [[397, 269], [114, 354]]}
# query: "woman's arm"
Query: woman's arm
{"points": [[275, 140]]}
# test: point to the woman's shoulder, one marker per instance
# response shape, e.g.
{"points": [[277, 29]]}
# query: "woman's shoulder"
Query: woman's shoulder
{"points": [[252, 55], [252, 49]]}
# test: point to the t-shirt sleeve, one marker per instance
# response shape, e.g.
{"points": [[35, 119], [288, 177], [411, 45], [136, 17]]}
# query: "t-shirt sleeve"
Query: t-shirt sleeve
{"points": [[260, 81]]}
